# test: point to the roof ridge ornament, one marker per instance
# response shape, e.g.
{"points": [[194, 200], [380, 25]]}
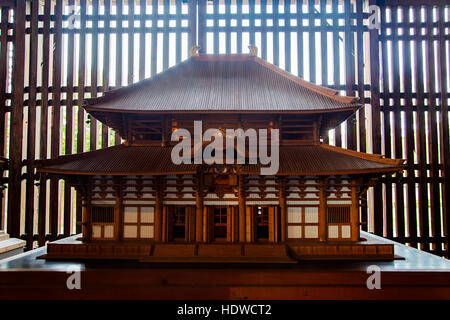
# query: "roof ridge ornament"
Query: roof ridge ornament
{"points": [[253, 50], [194, 51]]}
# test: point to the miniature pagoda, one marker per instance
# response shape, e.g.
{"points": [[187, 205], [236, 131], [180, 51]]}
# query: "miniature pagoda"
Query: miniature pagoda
{"points": [[138, 203]]}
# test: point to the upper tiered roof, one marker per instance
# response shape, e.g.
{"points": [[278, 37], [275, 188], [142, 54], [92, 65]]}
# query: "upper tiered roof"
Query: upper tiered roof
{"points": [[222, 83]]}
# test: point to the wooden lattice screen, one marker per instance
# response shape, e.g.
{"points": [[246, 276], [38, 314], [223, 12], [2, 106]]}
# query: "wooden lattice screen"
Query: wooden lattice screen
{"points": [[55, 53]]}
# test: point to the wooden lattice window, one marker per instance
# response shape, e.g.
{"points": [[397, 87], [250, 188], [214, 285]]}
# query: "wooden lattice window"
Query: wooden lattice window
{"points": [[102, 214], [338, 214]]}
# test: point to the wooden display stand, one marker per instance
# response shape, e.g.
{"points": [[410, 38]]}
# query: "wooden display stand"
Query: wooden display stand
{"points": [[418, 275]]}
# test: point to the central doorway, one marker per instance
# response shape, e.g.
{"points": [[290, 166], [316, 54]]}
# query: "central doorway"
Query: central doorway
{"points": [[179, 223], [265, 223]]}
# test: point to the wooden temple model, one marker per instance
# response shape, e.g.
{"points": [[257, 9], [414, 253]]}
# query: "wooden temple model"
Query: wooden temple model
{"points": [[138, 204]]}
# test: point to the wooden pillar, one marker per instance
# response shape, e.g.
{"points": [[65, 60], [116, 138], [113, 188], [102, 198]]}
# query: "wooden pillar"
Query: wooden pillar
{"points": [[119, 210], [164, 233], [206, 222], [235, 223], [158, 209], [242, 214], [272, 224], [282, 203], [249, 224], [229, 223], [322, 210], [118, 218], [354, 213], [87, 214], [199, 208]]}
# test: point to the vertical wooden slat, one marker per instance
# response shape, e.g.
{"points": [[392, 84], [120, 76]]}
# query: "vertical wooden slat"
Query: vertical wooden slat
{"points": [[142, 47], [105, 71], [94, 71], [202, 25], [287, 35], [276, 32], [421, 138], [376, 126], [336, 62], [165, 43], [178, 35], [362, 111], [193, 23], [228, 27], [118, 70], [323, 42], [80, 94], [398, 148], [69, 126], [215, 15], [16, 135], [119, 17], [42, 220], [433, 149], [360, 71], [130, 41], [251, 4], [387, 135], [55, 118], [239, 24], [154, 36], [349, 71], [3, 76], [300, 38], [409, 127], [31, 133], [264, 29], [443, 121], [312, 41]]}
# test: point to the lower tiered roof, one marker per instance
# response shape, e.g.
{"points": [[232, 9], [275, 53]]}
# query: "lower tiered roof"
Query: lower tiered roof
{"points": [[319, 159]]}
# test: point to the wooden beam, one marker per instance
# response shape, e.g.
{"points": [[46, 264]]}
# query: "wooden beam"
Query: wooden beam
{"points": [[7, 3]]}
